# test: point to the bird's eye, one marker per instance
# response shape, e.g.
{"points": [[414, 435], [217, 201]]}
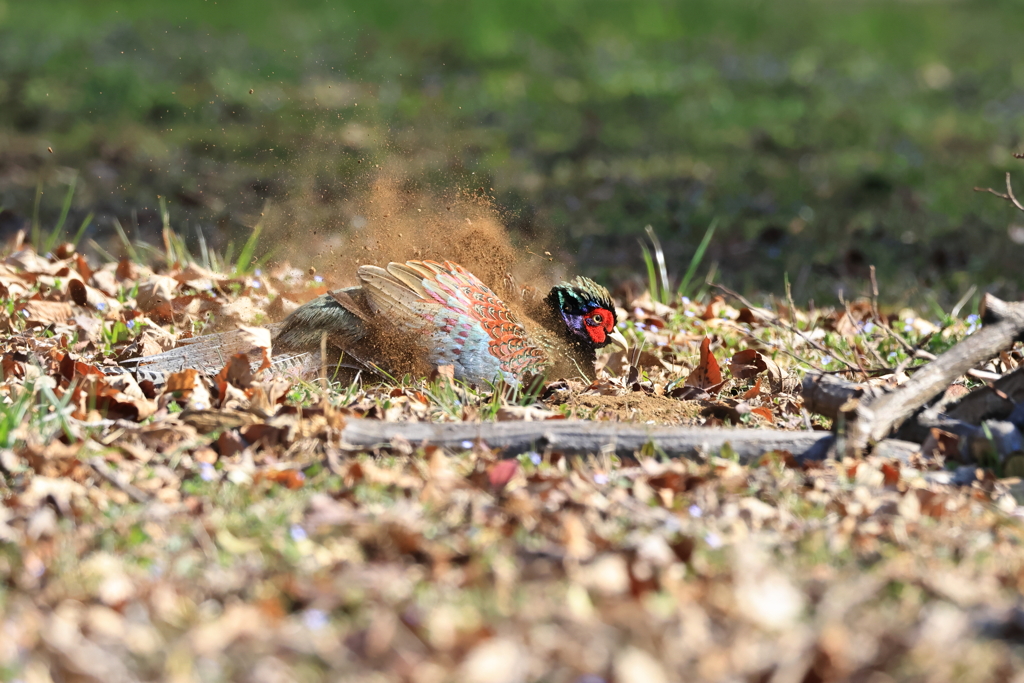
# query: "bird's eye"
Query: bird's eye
{"points": [[598, 319]]}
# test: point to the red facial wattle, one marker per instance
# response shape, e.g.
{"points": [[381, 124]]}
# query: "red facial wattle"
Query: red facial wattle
{"points": [[599, 323]]}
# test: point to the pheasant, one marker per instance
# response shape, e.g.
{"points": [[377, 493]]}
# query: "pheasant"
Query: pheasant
{"points": [[420, 315]]}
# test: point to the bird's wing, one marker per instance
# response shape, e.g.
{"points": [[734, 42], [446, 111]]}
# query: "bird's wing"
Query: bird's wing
{"points": [[466, 324]]}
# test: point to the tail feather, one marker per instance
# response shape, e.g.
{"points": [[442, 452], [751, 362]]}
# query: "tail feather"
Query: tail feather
{"points": [[205, 353], [296, 345]]}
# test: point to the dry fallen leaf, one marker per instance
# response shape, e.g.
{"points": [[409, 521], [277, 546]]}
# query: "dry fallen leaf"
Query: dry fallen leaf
{"points": [[706, 375]]}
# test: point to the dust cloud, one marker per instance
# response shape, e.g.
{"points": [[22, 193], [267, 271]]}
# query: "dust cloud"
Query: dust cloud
{"points": [[392, 217]]}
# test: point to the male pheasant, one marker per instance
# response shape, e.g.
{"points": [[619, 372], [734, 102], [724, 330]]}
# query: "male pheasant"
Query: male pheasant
{"points": [[419, 315]]}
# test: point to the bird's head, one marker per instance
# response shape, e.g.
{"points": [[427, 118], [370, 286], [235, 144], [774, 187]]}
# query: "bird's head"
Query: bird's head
{"points": [[587, 311]]}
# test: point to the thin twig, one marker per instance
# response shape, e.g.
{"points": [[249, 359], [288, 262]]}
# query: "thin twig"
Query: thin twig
{"points": [[101, 468], [1009, 191], [774, 320], [1009, 196], [983, 375]]}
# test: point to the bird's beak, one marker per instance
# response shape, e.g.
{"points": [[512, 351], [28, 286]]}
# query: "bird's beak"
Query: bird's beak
{"points": [[619, 340]]}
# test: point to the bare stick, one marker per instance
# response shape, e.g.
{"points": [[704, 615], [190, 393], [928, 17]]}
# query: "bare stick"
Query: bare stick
{"points": [[101, 468], [1009, 196], [875, 418], [585, 436]]}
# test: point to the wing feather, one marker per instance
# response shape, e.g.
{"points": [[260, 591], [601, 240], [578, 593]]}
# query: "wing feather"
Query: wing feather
{"points": [[466, 323]]}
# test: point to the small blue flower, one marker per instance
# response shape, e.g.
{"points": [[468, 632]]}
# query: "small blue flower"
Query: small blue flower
{"points": [[868, 327], [641, 326], [314, 619], [600, 478], [827, 360], [689, 314], [467, 444], [654, 329], [130, 324], [206, 471], [298, 533], [258, 272], [685, 299], [713, 540], [318, 278], [101, 306], [256, 284], [695, 511], [535, 457], [973, 318]]}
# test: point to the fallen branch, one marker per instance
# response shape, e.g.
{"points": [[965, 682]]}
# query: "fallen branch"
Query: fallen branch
{"points": [[828, 394], [995, 401], [876, 417], [583, 436]]}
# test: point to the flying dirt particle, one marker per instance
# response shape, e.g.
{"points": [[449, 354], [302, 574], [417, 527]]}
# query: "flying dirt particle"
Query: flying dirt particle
{"points": [[50, 150], [250, 91], [312, 271]]}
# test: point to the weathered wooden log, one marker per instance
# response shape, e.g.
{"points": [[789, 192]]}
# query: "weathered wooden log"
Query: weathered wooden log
{"points": [[827, 394], [583, 436], [875, 418], [990, 402]]}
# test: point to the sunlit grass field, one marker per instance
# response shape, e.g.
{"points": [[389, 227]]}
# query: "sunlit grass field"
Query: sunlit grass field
{"points": [[825, 137]]}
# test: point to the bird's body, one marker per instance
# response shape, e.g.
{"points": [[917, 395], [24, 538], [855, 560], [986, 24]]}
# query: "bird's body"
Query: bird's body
{"points": [[421, 315]]}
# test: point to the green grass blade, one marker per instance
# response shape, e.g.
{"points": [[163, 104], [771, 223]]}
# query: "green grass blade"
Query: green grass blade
{"points": [[54, 236], [81, 229], [245, 256], [698, 256], [652, 278], [127, 243], [101, 251], [659, 257], [36, 229]]}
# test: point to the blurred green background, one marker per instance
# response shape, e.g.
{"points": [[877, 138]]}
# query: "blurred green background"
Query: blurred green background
{"points": [[825, 136]]}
